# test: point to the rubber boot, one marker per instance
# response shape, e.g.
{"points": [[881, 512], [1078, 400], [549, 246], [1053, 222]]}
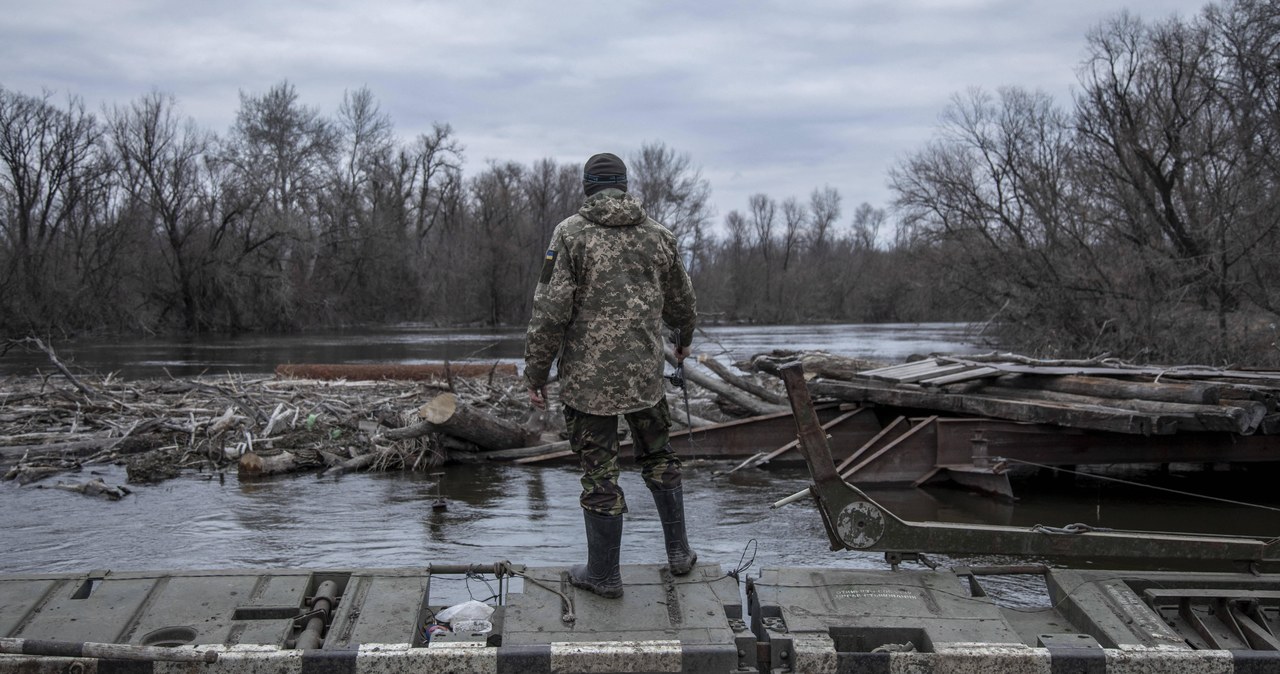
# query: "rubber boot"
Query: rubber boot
{"points": [[604, 540], [670, 504]]}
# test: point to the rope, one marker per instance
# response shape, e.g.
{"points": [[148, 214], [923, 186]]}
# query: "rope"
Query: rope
{"points": [[566, 604], [1139, 484]]}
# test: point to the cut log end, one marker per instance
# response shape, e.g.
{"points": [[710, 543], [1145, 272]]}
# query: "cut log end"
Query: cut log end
{"points": [[439, 409]]}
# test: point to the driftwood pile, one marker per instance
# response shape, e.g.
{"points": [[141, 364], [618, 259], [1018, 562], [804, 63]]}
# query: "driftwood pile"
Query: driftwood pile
{"points": [[1099, 394], [259, 426]]}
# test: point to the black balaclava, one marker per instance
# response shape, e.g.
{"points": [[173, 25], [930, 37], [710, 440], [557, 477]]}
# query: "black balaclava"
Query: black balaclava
{"points": [[603, 171]]}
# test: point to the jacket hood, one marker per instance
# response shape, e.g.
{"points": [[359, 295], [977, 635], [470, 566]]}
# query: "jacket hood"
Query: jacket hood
{"points": [[612, 208]]}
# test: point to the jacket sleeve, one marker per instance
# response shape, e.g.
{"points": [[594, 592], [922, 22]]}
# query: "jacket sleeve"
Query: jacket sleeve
{"points": [[679, 306], [552, 311]]}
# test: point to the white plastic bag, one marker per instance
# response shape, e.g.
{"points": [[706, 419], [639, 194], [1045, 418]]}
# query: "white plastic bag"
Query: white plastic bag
{"points": [[467, 610]]}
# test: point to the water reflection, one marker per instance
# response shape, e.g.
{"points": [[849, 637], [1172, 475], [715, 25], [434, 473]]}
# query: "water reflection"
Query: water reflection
{"points": [[259, 354], [536, 497], [530, 515]]}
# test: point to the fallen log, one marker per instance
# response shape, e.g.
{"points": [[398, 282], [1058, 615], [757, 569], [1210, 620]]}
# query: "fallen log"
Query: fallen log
{"points": [[681, 416], [447, 415], [258, 464], [819, 364], [1192, 393], [411, 431], [1242, 416], [356, 463], [732, 394], [1040, 411], [413, 372], [741, 382], [53, 358], [1267, 395], [95, 487], [27, 474]]}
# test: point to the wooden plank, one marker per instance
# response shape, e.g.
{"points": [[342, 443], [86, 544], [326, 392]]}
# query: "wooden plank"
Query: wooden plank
{"points": [[897, 373], [892, 371], [1094, 417], [965, 375], [936, 372]]}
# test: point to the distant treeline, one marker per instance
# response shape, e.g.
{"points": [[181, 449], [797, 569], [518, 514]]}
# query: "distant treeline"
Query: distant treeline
{"points": [[137, 220], [1143, 220]]}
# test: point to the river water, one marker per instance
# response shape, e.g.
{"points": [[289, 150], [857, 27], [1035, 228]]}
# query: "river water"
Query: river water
{"points": [[529, 514], [409, 343]]}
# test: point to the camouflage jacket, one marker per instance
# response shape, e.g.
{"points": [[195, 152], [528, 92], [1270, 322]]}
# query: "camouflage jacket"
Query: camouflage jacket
{"points": [[610, 279]]}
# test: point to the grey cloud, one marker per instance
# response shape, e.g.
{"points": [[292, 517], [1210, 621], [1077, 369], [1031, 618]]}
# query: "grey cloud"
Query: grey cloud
{"points": [[779, 96]]}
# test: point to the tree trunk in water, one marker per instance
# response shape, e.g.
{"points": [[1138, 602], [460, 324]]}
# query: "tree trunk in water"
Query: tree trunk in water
{"points": [[447, 415], [253, 464]]}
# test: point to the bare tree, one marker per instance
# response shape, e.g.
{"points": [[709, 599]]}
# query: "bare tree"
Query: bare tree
{"points": [[1165, 165], [672, 190], [159, 158], [824, 212], [865, 228], [47, 157], [794, 219], [432, 169], [283, 154], [991, 197], [499, 219]]}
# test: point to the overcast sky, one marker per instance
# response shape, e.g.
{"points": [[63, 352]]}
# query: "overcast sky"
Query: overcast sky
{"points": [[775, 97]]}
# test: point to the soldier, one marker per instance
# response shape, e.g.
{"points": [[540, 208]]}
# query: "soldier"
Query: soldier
{"points": [[610, 279]]}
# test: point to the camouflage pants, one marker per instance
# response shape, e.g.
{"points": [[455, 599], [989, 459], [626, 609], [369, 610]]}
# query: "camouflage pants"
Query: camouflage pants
{"points": [[594, 439]]}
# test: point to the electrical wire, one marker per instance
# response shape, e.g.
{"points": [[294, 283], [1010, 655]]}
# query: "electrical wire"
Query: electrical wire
{"points": [[1139, 484], [743, 562], [473, 575]]}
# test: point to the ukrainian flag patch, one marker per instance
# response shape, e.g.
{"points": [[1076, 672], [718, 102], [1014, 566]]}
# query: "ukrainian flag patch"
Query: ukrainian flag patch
{"points": [[548, 266]]}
